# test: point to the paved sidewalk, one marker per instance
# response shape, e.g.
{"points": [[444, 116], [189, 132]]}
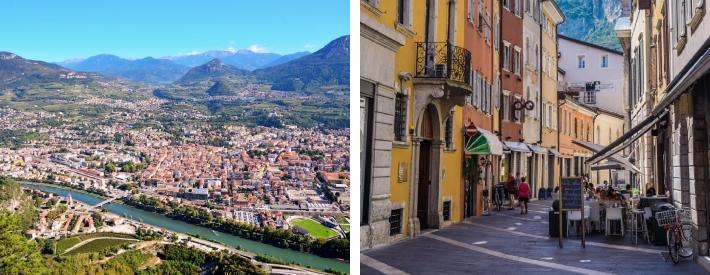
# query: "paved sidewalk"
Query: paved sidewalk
{"points": [[507, 242]]}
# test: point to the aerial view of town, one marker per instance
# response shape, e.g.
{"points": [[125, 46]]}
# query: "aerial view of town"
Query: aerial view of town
{"points": [[219, 161]]}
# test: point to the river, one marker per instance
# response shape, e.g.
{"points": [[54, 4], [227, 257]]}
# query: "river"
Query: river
{"points": [[154, 219]]}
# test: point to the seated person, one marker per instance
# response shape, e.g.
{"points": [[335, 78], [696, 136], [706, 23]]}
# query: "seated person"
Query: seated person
{"points": [[650, 192]]}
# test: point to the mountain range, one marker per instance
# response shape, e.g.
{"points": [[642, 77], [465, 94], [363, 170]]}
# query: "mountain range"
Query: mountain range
{"points": [[17, 71], [142, 70], [300, 71], [171, 68]]}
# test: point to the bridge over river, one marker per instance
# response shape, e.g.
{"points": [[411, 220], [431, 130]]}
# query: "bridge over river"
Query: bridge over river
{"points": [[161, 221]]}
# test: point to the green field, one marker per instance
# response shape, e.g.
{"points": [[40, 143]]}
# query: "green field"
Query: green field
{"points": [[68, 242], [98, 245], [314, 228], [65, 243]]}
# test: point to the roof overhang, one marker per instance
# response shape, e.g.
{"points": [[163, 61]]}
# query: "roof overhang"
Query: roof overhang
{"points": [[550, 7]]}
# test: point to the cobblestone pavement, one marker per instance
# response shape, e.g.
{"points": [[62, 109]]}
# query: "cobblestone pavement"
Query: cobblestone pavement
{"points": [[507, 242]]}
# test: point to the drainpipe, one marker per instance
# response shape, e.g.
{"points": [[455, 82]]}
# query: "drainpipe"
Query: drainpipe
{"points": [[492, 179], [594, 122], [500, 83], [539, 80], [500, 69]]}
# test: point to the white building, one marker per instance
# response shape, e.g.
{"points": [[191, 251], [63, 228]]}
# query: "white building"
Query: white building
{"points": [[596, 72]]}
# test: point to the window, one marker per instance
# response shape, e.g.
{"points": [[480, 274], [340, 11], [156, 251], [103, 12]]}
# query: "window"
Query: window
{"points": [[475, 95], [527, 51], [519, 116], [634, 78], [581, 62], [537, 59], [605, 61], [447, 211], [400, 117], [367, 92], [497, 33], [575, 128], [516, 61], [680, 20], [449, 133], [496, 90], [641, 72], [581, 129], [487, 103], [396, 222], [518, 11], [400, 11], [527, 97], [564, 121], [590, 97], [481, 22], [506, 4], [610, 140], [599, 136], [505, 109], [506, 56], [469, 14], [549, 116]]}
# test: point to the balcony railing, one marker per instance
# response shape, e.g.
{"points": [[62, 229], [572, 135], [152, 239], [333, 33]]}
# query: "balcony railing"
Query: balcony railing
{"points": [[443, 60]]}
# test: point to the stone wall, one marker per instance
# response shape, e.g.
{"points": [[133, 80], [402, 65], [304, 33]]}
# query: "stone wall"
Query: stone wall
{"points": [[689, 161]]}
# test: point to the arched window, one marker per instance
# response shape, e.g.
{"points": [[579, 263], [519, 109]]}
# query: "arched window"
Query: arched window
{"points": [[449, 133], [599, 137], [575, 127], [610, 135]]}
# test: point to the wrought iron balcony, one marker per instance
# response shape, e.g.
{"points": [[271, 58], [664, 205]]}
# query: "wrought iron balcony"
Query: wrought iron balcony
{"points": [[441, 60]]}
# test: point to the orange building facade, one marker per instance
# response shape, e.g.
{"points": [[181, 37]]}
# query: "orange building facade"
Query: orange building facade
{"points": [[576, 123]]}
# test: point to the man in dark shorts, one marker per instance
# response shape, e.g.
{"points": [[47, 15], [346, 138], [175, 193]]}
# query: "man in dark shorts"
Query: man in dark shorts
{"points": [[523, 195]]}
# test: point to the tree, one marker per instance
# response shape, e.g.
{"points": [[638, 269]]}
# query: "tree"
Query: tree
{"points": [[110, 167], [98, 219], [235, 264], [18, 254]]}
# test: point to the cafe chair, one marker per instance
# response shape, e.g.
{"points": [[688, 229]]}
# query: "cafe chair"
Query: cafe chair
{"points": [[575, 216], [613, 214], [594, 216]]}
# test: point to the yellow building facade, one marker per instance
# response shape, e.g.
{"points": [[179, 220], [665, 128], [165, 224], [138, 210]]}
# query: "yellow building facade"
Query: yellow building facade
{"points": [[422, 125]]}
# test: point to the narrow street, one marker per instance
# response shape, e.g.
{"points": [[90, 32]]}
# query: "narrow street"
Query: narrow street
{"points": [[507, 242]]}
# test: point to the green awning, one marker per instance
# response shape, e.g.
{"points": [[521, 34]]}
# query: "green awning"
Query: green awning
{"points": [[483, 143]]}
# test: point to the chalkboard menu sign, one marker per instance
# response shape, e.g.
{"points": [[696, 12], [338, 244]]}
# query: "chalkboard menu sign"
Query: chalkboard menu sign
{"points": [[571, 191]]}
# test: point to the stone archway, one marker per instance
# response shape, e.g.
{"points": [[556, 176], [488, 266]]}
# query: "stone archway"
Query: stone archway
{"points": [[424, 192]]}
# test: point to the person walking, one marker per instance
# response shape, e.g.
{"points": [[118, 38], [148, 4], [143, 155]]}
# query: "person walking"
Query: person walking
{"points": [[523, 195], [511, 188]]}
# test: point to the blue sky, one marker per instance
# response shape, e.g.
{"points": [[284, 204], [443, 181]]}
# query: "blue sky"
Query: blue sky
{"points": [[54, 31]]}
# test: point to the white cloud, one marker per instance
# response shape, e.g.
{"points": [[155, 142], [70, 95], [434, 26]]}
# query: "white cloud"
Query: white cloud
{"points": [[231, 49], [193, 52], [309, 46], [255, 48]]}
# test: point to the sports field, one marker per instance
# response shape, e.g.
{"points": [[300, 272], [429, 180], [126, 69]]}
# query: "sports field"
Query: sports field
{"points": [[314, 228]]}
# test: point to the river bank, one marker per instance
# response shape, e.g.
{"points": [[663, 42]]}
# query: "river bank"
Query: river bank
{"points": [[303, 259]]}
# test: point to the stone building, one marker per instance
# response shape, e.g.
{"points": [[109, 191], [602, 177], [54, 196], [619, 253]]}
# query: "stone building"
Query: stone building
{"points": [[667, 60]]}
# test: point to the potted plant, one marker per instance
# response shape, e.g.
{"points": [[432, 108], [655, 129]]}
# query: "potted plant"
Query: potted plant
{"points": [[554, 220]]}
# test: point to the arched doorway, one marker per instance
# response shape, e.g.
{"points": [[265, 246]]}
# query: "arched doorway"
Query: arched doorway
{"points": [[427, 189]]}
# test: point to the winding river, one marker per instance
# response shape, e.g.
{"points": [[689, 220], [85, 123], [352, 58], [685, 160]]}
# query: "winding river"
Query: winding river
{"points": [[154, 219]]}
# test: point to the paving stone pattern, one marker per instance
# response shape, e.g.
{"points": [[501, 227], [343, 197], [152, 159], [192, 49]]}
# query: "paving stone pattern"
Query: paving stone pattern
{"points": [[431, 255]]}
